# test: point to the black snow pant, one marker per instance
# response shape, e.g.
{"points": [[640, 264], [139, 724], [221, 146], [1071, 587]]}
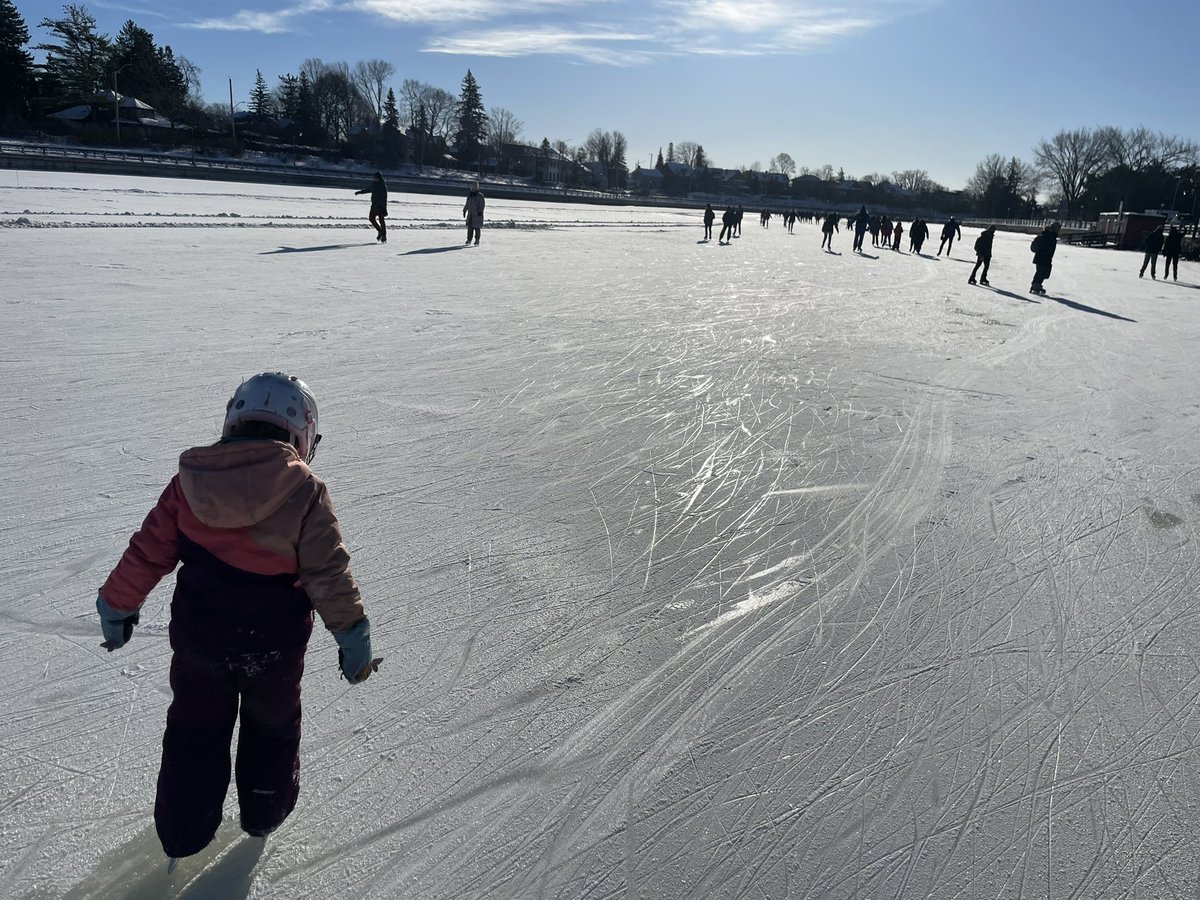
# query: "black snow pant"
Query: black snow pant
{"points": [[1168, 262], [726, 233], [858, 238], [948, 244], [379, 220], [984, 261], [1151, 260], [708, 231], [1040, 273], [194, 776], [827, 240]]}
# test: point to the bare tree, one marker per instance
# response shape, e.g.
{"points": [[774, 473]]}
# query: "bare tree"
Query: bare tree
{"points": [[599, 146], [783, 163], [336, 101], [503, 130], [915, 180], [990, 171], [1071, 159], [370, 78], [685, 152]]}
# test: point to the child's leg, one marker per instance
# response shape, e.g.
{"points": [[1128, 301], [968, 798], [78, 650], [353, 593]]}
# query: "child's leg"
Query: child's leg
{"points": [[268, 753], [194, 776]]}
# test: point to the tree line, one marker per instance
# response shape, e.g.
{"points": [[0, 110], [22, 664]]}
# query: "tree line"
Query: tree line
{"points": [[353, 110], [1087, 171]]}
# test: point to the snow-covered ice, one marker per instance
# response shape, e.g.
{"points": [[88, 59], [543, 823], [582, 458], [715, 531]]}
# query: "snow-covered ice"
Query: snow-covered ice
{"points": [[699, 571]]}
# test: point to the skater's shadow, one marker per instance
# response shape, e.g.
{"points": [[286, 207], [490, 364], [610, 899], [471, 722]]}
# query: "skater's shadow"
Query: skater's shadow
{"points": [[1011, 294], [704, 241], [312, 249], [866, 255], [1089, 309], [1184, 284], [230, 877], [425, 250], [833, 252]]}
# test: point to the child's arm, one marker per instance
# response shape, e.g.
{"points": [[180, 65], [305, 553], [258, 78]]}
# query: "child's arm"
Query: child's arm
{"points": [[153, 553], [324, 564]]}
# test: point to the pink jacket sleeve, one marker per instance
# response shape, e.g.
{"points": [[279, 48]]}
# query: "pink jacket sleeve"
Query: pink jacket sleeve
{"points": [[152, 554]]}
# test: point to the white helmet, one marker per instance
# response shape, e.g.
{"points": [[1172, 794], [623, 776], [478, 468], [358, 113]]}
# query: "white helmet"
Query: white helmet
{"points": [[278, 399]]}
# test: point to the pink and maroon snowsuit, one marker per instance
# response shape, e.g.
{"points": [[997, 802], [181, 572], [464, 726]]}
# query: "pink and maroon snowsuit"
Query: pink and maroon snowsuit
{"points": [[260, 548]]}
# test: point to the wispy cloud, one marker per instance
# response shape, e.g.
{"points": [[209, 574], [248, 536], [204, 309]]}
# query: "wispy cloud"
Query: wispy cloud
{"points": [[605, 47], [605, 32], [275, 22], [439, 12]]}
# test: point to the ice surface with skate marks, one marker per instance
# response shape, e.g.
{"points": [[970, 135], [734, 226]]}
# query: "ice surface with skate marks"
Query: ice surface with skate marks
{"points": [[721, 572]]}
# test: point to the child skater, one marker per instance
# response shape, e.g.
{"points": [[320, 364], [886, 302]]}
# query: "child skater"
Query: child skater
{"points": [[260, 549]]}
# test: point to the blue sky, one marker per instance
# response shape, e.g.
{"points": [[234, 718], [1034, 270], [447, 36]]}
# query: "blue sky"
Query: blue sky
{"points": [[871, 86]]}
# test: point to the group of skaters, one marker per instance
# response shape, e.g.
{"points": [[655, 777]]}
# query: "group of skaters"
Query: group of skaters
{"points": [[888, 233], [1170, 245], [731, 223], [472, 210]]}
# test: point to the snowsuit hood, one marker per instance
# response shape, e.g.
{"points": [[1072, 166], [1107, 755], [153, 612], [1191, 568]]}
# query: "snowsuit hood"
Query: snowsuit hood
{"points": [[240, 483]]}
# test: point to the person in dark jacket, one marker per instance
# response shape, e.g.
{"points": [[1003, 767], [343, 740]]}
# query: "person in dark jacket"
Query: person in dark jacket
{"points": [[1172, 250], [827, 230], [709, 218], [983, 254], [1153, 244], [737, 222], [378, 215], [1043, 247], [861, 221], [917, 235], [949, 231], [728, 219]]}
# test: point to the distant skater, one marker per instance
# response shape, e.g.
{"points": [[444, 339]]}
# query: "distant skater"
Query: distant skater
{"points": [[949, 231], [827, 230], [709, 218], [1043, 247], [983, 254], [473, 210], [1153, 244], [378, 214], [897, 233], [737, 222], [861, 222], [1172, 250], [728, 218]]}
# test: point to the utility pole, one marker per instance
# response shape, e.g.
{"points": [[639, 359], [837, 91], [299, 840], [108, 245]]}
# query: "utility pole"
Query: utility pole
{"points": [[232, 122]]}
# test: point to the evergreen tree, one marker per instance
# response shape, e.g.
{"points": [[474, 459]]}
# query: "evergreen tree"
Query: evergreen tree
{"points": [[76, 64], [17, 81], [701, 159], [260, 98], [143, 70], [308, 120], [659, 162], [391, 114], [472, 122], [288, 97], [671, 152]]}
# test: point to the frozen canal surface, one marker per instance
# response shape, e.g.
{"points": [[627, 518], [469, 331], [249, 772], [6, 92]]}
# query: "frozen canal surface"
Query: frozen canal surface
{"points": [[699, 571]]}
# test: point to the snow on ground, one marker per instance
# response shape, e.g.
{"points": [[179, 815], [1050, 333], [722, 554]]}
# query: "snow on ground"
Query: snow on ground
{"points": [[699, 571]]}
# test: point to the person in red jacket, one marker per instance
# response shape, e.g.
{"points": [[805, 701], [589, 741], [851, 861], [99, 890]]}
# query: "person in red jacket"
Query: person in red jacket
{"points": [[261, 549]]}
